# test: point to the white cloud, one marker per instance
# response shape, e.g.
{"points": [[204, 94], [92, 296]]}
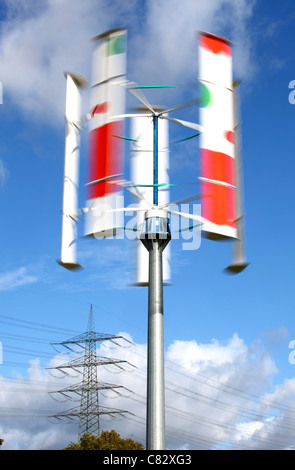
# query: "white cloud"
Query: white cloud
{"points": [[39, 44], [32, 56], [4, 173], [18, 277], [25, 406], [194, 356], [218, 395], [167, 49]]}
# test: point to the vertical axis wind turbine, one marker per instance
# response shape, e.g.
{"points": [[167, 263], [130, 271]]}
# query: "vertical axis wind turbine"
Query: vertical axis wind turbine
{"points": [[220, 180]]}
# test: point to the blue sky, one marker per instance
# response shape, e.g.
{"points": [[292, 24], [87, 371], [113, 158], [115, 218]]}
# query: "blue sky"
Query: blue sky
{"points": [[232, 330]]}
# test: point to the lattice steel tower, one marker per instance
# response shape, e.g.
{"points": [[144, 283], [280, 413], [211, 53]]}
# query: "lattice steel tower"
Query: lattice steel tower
{"points": [[90, 409], [89, 421]]}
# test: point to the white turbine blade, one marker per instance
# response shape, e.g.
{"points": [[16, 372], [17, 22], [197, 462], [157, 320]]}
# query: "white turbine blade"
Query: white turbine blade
{"points": [[180, 201], [106, 101], [192, 125], [129, 209], [129, 115], [139, 196], [218, 138], [180, 106], [74, 84], [106, 178], [132, 189], [189, 216], [137, 93], [188, 228], [220, 183]]}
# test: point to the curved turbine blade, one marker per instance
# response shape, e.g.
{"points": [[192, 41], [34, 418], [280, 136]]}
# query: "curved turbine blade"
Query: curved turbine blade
{"points": [[184, 139], [187, 199], [180, 106], [137, 93], [128, 209], [129, 115], [192, 125], [198, 218], [188, 228], [220, 183], [132, 189]]}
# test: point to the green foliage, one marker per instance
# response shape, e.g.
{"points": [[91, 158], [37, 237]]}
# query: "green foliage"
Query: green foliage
{"points": [[108, 440]]}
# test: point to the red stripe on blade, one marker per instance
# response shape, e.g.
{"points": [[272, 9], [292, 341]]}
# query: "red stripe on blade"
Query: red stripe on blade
{"points": [[215, 44], [105, 159], [218, 201]]}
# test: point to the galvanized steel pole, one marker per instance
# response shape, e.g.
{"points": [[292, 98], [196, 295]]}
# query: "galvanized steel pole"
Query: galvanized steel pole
{"points": [[155, 373], [155, 237]]}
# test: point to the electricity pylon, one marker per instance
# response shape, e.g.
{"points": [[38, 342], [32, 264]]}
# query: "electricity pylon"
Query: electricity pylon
{"points": [[90, 409], [89, 422]]}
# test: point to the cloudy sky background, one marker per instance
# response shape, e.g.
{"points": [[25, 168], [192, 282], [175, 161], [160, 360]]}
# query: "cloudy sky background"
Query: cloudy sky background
{"points": [[229, 381]]}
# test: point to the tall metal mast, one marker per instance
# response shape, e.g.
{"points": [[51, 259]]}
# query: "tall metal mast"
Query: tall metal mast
{"points": [[155, 237]]}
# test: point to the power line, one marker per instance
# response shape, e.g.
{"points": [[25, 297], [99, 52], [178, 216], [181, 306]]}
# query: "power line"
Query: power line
{"points": [[11, 336], [34, 325], [194, 395]]}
